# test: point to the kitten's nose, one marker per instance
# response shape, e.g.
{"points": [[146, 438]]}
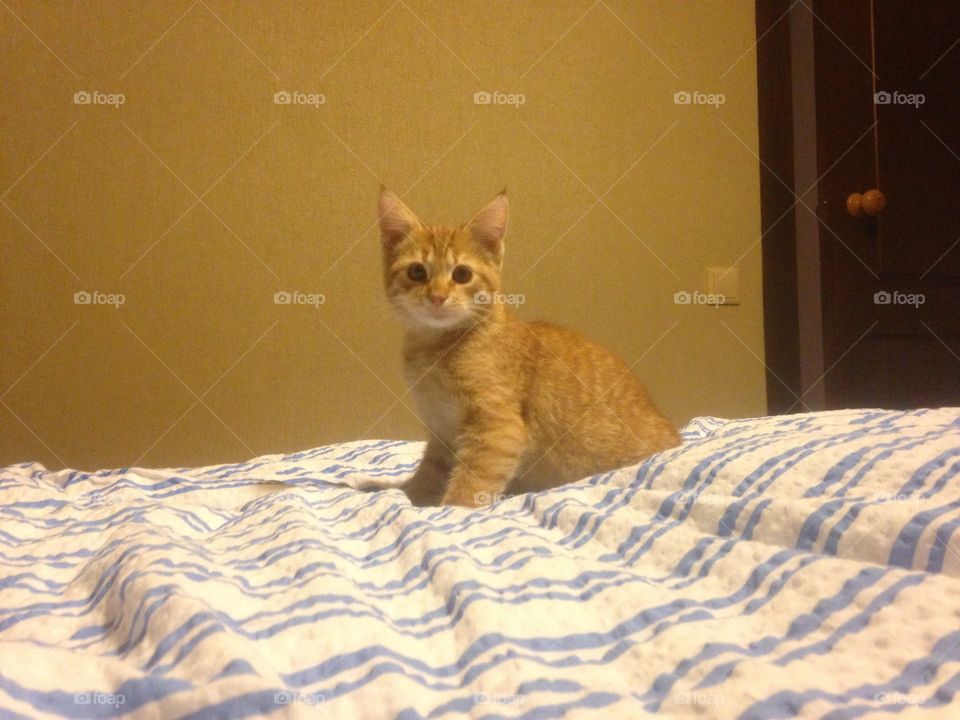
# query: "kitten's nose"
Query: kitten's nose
{"points": [[437, 300]]}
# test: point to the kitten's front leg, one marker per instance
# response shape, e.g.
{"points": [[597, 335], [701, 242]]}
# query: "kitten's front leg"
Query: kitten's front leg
{"points": [[488, 455], [429, 482]]}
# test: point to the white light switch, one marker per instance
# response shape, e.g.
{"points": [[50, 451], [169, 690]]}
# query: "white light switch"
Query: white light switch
{"points": [[724, 281]]}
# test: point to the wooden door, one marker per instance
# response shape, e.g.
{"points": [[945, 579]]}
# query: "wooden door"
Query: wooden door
{"points": [[888, 119]]}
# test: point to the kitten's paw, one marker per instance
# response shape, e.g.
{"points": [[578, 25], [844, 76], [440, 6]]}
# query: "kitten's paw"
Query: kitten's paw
{"points": [[421, 496]]}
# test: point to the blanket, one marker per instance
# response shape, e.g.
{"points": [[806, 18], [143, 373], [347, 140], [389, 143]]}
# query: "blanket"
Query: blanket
{"points": [[795, 566]]}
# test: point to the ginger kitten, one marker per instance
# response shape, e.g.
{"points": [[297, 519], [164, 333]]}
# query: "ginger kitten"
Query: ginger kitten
{"points": [[511, 406]]}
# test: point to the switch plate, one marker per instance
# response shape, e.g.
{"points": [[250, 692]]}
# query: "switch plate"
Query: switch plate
{"points": [[724, 281]]}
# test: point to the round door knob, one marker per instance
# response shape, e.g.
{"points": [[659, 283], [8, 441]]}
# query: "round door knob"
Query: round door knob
{"points": [[872, 202]]}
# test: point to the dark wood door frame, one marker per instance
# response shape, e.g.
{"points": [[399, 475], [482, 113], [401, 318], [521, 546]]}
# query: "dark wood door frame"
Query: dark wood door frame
{"points": [[788, 189]]}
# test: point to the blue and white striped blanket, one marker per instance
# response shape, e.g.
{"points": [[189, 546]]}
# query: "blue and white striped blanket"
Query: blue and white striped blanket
{"points": [[800, 566]]}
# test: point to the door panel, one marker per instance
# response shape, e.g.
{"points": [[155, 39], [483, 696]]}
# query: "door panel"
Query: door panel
{"points": [[919, 142]]}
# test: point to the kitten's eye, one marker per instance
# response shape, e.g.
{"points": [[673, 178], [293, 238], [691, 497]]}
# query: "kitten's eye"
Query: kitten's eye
{"points": [[417, 272], [462, 274]]}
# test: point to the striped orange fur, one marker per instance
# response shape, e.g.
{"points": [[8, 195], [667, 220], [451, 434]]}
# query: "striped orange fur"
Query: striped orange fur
{"points": [[511, 406]]}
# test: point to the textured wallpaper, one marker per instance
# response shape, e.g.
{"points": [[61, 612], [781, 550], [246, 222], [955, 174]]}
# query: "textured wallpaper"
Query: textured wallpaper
{"points": [[190, 264]]}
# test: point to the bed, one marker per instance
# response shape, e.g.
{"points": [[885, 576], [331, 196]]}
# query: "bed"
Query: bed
{"points": [[795, 566]]}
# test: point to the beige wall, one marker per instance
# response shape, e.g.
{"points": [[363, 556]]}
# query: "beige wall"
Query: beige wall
{"points": [[199, 365]]}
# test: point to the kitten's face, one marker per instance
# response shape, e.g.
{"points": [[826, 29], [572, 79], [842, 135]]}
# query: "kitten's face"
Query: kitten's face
{"points": [[440, 277]]}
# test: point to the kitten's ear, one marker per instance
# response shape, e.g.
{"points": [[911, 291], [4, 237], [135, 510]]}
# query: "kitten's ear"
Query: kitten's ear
{"points": [[490, 224], [396, 219]]}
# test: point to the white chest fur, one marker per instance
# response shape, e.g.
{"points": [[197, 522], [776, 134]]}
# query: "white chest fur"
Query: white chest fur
{"points": [[435, 400]]}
